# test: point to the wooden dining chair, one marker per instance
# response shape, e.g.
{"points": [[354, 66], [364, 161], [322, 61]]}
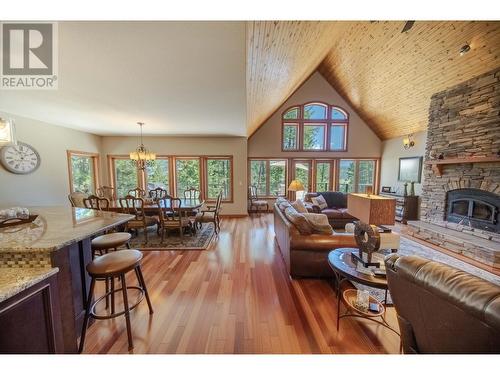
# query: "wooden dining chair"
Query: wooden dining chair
{"points": [[106, 192], [191, 193], [158, 193], [171, 216], [211, 214], [96, 203], [137, 192], [254, 199], [76, 199], [135, 206]]}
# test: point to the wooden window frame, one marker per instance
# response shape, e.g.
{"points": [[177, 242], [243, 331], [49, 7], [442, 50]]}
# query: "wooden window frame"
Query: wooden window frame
{"points": [[231, 174], [95, 167], [328, 122], [112, 173], [296, 125], [376, 173], [268, 162], [200, 173]]}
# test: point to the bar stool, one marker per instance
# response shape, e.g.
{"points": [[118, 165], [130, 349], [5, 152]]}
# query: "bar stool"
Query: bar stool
{"points": [[105, 242], [115, 264]]}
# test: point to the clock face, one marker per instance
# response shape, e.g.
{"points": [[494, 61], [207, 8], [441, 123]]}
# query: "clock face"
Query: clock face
{"points": [[21, 158]]}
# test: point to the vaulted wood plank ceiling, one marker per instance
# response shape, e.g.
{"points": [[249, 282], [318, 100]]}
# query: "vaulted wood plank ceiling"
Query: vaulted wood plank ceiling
{"points": [[387, 76], [280, 56]]}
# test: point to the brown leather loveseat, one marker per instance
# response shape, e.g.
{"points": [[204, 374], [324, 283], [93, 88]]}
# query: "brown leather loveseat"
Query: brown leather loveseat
{"points": [[306, 254], [336, 210], [441, 309]]}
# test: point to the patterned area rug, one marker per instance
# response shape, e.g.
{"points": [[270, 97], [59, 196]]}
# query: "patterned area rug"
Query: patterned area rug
{"points": [[199, 241], [409, 247]]}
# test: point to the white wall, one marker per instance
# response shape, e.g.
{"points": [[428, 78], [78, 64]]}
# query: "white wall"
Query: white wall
{"points": [[392, 150], [49, 184], [193, 146]]}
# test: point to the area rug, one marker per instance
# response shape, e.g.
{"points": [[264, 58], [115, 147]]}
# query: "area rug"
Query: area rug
{"points": [[172, 241], [409, 247]]}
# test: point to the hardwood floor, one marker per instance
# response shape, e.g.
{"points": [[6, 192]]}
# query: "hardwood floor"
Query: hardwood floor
{"points": [[236, 297]]}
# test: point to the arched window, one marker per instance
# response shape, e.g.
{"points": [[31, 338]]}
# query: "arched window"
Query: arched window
{"points": [[314, 126]]}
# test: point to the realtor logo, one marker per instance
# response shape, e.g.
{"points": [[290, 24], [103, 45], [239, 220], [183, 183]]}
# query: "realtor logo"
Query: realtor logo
{"points": [[28, 55]]}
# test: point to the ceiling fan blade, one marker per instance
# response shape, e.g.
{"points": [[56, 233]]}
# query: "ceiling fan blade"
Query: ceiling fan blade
{"points": [[408, 25]]}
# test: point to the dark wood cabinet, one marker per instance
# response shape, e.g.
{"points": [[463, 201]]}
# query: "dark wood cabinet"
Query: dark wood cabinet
{"points": [[406, 207], [30, 322]]}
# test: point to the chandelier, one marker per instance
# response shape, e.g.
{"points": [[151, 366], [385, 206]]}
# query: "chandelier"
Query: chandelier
{"points": [[142, 155]]}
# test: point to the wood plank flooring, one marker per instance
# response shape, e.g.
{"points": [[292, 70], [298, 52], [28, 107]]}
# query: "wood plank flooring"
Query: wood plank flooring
{"points": [[236, 297]]}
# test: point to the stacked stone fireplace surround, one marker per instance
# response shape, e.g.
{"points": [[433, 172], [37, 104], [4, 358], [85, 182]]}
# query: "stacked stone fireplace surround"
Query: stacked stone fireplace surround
{"points": [[464, 122]]}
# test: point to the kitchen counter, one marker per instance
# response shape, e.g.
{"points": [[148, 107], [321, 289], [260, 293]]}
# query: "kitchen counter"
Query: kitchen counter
{"points": [[57, 227], [15, 280]]}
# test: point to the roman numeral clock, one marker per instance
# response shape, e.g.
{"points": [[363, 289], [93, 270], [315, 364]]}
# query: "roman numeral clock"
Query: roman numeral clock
{"points": [[20, 159]]}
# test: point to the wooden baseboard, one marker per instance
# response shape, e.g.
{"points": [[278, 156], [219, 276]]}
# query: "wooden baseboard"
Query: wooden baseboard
{"points": [[228, 216]]}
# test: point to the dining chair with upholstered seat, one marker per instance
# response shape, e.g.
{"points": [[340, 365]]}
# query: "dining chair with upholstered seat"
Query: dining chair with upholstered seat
{"points": [[254, 199], [96, 203], [158, 193], [211, 214], [192, 193], [137, 192], [76, 199], [135, 206], [171, 216], [106, 192]]}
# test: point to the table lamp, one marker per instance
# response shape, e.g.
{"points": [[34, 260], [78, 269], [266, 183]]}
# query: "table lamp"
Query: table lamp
{"points": [[295, 186]]}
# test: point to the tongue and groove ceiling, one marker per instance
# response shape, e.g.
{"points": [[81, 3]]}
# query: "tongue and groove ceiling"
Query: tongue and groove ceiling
{"points": [[387, 76]]}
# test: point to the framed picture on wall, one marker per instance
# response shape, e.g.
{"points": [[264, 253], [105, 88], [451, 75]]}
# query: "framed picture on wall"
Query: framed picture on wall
{"points": [[410, 169]]}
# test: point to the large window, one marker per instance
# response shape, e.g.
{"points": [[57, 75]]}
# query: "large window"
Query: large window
{"points": [[187, 175], [315, 127], [269, 177], [323, 175], [157, 174], [356, 175], [125, 175], [219, 177], [83, 171]]}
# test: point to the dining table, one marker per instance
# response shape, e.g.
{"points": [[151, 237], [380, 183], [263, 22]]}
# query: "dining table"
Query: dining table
{"points": [[151, 206]]}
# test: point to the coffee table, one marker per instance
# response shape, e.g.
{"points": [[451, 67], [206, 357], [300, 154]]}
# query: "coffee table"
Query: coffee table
{"points": [[344, 269]]}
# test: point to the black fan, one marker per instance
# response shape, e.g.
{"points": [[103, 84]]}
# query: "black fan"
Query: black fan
{"points": [[408, 25]]}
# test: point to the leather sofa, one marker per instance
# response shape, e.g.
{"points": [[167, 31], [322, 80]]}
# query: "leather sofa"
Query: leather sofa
{"points": [[336, 210], [441, 309], [306, 255]]}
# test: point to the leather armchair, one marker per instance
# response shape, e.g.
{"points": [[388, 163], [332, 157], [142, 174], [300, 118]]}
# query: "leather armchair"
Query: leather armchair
{"points": [[441, 309], [307, 255]]}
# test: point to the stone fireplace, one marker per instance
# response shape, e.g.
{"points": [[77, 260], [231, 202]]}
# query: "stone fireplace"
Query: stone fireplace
{"points": [[460, 206]]}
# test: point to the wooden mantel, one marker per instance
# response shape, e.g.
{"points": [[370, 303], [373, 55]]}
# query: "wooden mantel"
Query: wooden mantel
{"points": [[437, 165]]}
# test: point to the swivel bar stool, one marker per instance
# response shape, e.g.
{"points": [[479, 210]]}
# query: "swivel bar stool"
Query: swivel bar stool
{"points": [[109, 266]]}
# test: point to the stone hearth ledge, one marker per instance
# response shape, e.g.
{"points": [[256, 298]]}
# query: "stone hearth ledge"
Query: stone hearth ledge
{"points": [[15, 280], [57, 227]]}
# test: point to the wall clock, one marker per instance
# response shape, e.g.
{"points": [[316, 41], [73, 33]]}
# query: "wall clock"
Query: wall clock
{"points": [[21, 158]]}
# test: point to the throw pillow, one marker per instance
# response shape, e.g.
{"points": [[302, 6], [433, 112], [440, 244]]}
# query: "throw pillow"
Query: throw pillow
{"points": [[320, 202], [298, 220], [300, 207], [319, 223]]}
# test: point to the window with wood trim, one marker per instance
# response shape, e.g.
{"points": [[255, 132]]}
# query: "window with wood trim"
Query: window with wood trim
{"points": [[187, 175], [83, 169], [269, 176], [125, 176], [314, 126], [356, 175], [219, 177], [157, 174]]}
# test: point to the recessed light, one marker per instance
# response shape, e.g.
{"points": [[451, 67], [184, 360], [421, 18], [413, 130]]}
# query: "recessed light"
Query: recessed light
{"points": [[465, 48]]}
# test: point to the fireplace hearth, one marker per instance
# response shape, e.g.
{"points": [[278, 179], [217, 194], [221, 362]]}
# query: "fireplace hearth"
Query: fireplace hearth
{"points": [[474, 208]]}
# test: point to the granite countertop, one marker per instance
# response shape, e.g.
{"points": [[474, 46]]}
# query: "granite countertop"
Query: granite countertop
{"points": [[15, 280], [56, 227]]}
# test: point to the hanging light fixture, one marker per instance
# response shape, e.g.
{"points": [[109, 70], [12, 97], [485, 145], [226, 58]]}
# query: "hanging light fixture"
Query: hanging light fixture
{"points": [[7, 132], [408, 141], [142, 155]]}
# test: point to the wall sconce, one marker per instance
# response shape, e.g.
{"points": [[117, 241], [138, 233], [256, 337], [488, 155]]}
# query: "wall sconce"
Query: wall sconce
{"points": [[7, 132], [408, 141]]}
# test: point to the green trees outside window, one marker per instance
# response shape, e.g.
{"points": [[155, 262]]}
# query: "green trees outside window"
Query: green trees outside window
{"points": [[314, 137], [219, 178], [125, 175], [323, 176], [157, 174], [269, 177], [187, 173], [355, 175], [82, 174]]}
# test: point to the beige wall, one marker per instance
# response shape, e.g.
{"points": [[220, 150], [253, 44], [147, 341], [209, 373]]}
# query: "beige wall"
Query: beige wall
{"points": [[392, 150], [49, 184], [193, 146], [362, 141]]}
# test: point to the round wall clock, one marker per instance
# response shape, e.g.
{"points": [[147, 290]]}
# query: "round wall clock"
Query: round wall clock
{"points": [[21, 158]]}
